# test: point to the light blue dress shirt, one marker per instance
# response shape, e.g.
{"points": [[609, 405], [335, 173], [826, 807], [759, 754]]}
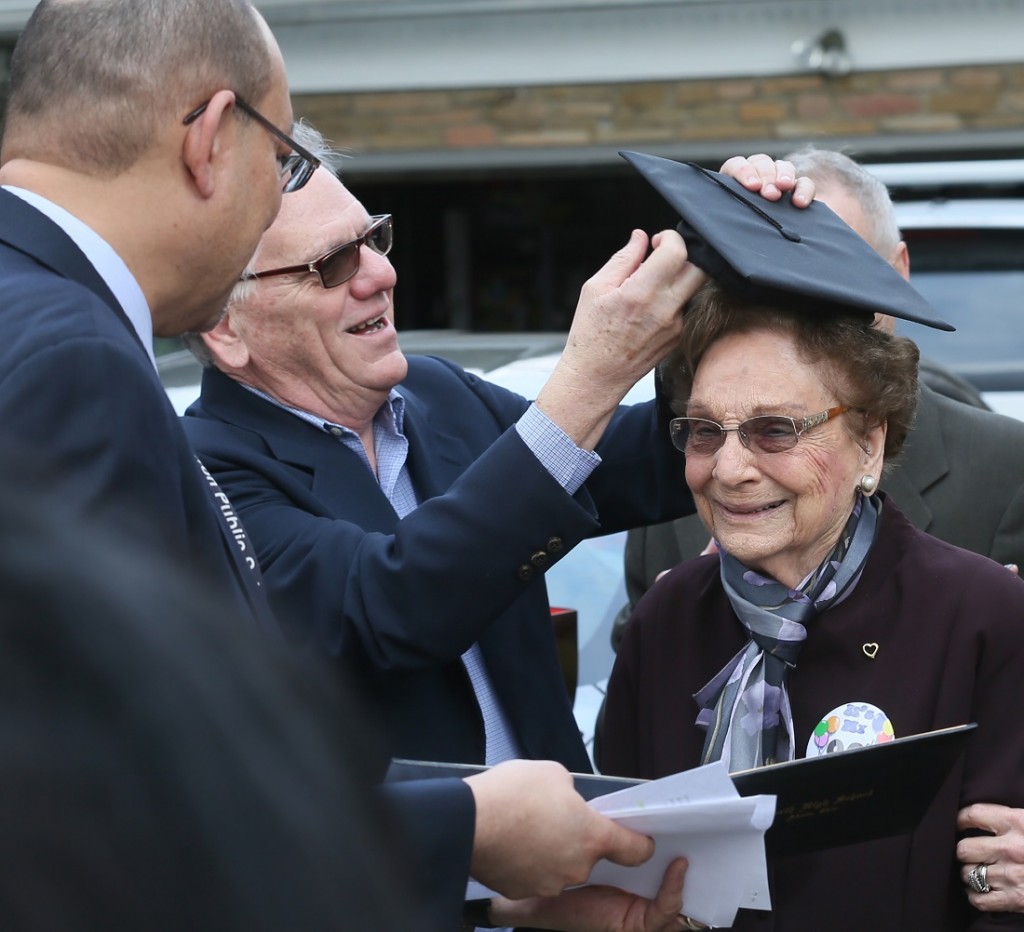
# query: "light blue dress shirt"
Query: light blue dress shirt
{"points": [[566, 462]]}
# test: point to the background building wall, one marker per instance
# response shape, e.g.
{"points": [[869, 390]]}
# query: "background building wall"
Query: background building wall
{"points": [[973, 110], [491, 128], [507, 198]]}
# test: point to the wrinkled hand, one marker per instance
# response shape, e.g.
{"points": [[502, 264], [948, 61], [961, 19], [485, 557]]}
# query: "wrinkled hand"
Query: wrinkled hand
{"points": [[601, 909], [535, 835], [771, 177], [1003, 851], [628, 318]]}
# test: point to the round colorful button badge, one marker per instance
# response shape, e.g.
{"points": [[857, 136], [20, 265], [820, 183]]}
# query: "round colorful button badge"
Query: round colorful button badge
{"points": [[851, 725]]}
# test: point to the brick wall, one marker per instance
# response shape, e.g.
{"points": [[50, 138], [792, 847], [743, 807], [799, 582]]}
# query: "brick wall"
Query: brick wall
{"points": [[955, 101]]}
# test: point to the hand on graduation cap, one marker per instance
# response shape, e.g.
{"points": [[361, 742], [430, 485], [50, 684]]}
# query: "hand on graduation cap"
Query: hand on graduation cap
{"points": [[628, 318], [771, 177], [767, 252]]}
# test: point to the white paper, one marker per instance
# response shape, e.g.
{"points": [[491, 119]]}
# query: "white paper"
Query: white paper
{"points": [[699, 815]]}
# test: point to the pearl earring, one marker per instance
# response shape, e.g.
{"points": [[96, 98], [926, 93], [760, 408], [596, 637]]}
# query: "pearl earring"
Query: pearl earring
{"points": [[867, 484]]}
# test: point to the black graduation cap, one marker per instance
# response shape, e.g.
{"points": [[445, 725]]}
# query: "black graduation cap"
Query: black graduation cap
{"points": [[770, 252]]}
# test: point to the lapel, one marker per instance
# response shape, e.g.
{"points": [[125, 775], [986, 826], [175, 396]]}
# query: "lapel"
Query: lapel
{"points": [[340, 480], [30, 232], [923, 463]]}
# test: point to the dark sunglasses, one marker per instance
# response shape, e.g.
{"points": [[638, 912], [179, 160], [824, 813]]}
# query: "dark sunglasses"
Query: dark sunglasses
{"points": [[341, 263], [768, 433], [296, 168]]}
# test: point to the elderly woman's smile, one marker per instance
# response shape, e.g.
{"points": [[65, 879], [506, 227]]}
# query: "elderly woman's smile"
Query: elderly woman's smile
{"points": [[780, 512], [739, 511]]}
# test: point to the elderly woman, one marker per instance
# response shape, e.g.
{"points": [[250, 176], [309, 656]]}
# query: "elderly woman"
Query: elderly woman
{"points": [[825, 615]]}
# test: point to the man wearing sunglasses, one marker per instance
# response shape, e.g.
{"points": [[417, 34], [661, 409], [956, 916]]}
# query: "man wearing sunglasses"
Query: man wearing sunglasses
{"points": [[403, 510]]}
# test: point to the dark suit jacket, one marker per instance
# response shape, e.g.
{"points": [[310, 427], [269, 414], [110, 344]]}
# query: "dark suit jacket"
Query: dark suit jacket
{"points": [[960, 478], [437, 819], [398, 602], [946, 629], [79, 394]]}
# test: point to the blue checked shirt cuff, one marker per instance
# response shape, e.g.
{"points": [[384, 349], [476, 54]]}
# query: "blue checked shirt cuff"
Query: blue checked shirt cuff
{"points": [[568, 464]]}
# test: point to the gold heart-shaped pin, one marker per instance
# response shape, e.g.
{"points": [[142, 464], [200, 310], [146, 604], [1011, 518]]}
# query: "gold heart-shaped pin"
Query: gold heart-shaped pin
{"points": [[870, 650]]}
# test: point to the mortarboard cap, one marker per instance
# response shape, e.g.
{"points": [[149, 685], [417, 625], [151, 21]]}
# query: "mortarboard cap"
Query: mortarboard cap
{"points": [[770, 252]]}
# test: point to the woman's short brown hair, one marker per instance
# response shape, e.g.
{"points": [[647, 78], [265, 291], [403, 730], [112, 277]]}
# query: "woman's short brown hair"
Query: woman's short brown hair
{"points": [[868, 369]]}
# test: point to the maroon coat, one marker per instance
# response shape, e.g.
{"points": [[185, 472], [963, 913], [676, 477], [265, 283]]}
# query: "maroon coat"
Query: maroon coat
{"points": [[949, 626]]}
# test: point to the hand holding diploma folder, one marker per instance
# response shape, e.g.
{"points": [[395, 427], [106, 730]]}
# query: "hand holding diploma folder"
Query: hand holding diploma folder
{"points": [[855, 795]]}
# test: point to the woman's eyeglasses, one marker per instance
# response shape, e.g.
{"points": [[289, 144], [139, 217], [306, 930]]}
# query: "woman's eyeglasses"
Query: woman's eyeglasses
{"points": [[767, 433], [341, 263]]}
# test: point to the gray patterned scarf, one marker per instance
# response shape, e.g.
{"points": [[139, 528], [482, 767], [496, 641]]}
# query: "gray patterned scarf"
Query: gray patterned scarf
{"points": [[745, 707]]}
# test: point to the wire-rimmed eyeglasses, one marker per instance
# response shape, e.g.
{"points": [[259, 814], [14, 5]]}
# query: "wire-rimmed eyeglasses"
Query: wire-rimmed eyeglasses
{"points": [[296, 168], [767, 433], [341, 263]]}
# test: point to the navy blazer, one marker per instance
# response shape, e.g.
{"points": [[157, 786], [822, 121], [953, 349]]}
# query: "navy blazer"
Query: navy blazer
{"points": [[79, 394], [398, 602]]}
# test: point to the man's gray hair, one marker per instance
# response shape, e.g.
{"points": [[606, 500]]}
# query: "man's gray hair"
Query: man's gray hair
{"points": [[828, 167], [93, 82], [306, 135]]}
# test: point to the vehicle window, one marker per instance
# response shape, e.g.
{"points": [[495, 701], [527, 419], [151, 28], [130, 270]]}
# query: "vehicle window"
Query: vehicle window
{"points": [[944, 250], [975, 280]]}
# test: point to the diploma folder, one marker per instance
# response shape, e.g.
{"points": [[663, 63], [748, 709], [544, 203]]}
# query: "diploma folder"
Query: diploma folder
{"points": [[837, 799]]}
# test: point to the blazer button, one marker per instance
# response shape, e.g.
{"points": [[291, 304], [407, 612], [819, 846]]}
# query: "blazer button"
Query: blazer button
{"points": [[556, 545], [525, 572], [540, 559]]}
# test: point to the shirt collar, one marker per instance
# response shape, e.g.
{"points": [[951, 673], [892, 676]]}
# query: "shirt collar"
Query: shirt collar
{"points": [[110, 266], [392, 410]]}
